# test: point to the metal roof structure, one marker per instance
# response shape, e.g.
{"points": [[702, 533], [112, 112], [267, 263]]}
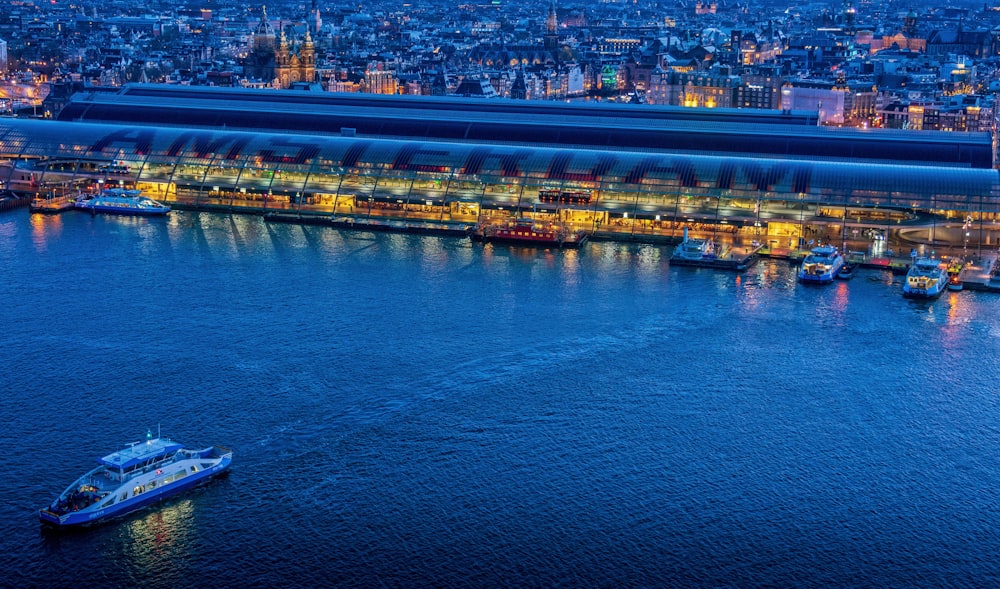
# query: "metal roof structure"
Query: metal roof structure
{"points": [[200, 161], [529, 123]]}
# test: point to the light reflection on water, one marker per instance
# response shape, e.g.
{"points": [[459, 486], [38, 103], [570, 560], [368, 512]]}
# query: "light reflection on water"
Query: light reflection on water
{"points": [[155, 542]]}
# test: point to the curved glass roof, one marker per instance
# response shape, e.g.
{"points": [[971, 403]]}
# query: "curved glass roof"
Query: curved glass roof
{"points": [[313, 155]]}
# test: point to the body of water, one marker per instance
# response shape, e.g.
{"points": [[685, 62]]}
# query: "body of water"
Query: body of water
{"points": [[415, 411]]}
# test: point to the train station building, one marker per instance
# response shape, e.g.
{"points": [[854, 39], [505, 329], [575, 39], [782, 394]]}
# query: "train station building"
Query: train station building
{"points": [[617, 176]]}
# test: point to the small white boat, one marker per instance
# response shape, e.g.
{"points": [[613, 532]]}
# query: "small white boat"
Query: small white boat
{"points": [[695, 250], [821, 265], [132, 478], [926, 279]]}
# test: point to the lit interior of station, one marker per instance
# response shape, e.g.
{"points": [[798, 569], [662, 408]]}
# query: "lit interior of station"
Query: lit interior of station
{"points": [[614, 194]]}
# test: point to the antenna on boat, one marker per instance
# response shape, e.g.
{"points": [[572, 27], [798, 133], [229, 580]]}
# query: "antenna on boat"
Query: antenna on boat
{"points": [[157, 431]]}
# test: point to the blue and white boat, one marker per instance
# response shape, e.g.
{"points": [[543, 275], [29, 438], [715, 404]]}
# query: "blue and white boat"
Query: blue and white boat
{"points": [[132, 478], [821, 265], [121, 201], [926, 279]]}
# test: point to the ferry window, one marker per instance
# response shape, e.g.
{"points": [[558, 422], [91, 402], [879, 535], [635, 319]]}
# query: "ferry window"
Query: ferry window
{"points": [[194, 469], [124, 496]]}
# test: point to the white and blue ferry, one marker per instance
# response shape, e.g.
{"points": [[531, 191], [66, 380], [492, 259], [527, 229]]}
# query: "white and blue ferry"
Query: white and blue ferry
{"points": [[121, 201], [821, 265], [926, 279], [132, 478]]}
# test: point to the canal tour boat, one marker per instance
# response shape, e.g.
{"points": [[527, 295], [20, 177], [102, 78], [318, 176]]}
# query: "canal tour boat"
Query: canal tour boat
{"points": [[121, 201], [926, 279], [132, 478], [527, 232], [821, 265]]}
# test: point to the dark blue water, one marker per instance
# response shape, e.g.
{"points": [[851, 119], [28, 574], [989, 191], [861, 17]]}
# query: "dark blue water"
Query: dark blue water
{"points": [[409, 411]]}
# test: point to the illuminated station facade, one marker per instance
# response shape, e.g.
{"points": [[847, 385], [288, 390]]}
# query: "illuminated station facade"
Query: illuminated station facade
{"points": [[632, 191]]}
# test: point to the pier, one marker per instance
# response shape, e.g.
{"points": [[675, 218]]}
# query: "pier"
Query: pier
{"points": [[10, 201], [418, 227], [982, 274], [51, 205]]}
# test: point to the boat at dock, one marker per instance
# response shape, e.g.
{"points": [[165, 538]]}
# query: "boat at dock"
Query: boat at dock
{"points": [[846, 271], [955, 275], [694, 250], [821, 265], [528, 232], [926, 279], [121, 201], [706, 253], [133, 478]]}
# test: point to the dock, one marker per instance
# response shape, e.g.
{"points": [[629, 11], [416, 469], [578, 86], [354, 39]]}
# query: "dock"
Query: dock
{"points": [[417, 227], [10, 200], [50, 206], [982, 275]]}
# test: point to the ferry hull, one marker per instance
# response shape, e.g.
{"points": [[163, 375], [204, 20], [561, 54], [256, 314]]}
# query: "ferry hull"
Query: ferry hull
{"points": [[920, 293], [127, 212], [86, 517], [815, 278], [533, 242]]}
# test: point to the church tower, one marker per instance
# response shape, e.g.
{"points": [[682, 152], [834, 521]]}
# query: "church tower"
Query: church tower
{"points": [[283, 63], [910, 24], [307, 60], [519, 90], [552, 29]]}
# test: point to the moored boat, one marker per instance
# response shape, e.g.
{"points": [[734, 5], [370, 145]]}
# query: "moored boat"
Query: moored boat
{"points": [[926, 279], [121, 201], [133, 478], [821, 265], [846, 271], [955, 275], [527, 232], [694, 250]]}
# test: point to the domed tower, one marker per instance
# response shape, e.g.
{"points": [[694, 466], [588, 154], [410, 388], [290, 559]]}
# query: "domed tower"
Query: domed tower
{"points": [[263, 35]]}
